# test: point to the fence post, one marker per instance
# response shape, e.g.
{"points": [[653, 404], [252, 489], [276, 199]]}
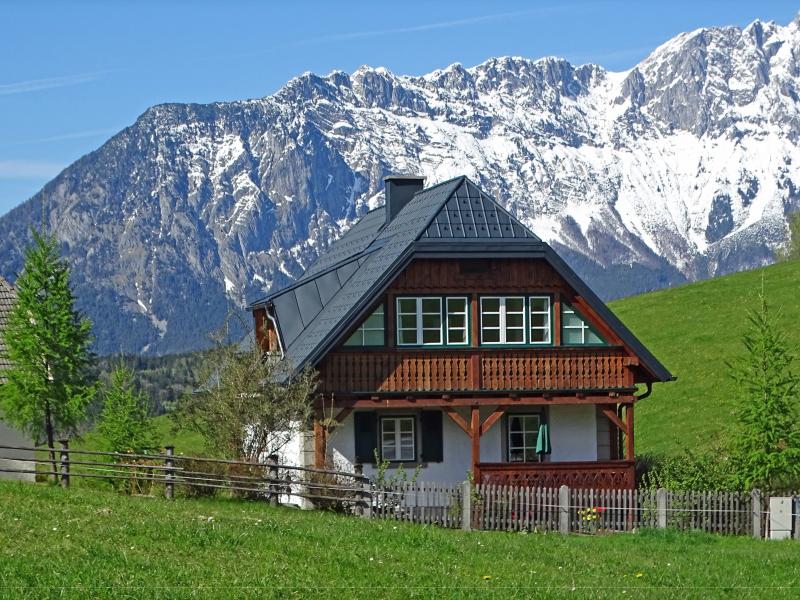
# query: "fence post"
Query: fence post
{"points": [[362, 498], [796, 511], [661, 508], [756, 513], [274, 489], [563, 509], [466, 505], [169, 476], [64, 463]]}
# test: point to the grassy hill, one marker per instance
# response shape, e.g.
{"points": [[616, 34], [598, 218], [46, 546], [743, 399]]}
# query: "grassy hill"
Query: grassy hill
{"points": [[82, 544], [694, 330]]}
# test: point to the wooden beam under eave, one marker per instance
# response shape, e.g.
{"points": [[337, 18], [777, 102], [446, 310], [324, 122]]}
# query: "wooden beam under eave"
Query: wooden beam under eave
{"points": [[611, 415], [475, 426], [458, 419], [493, 418], [343, 414]]}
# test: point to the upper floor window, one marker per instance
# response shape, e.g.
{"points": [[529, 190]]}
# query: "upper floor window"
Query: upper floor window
{"points": [[502, 320], [371, 331], [539, 319], [575, 330], [419, 321], [457, 321], [432, 321]]}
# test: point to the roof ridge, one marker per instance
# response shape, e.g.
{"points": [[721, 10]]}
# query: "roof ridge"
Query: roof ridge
{"points": [[440, 184], [433, 216], [503, 208]]}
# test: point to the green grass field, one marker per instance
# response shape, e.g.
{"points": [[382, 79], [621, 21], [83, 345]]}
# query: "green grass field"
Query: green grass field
{"points": [[91, 544], [694, 330]]}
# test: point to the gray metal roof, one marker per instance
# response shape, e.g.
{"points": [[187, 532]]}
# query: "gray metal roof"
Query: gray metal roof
{"points": [[7, 298], [454, 217]]}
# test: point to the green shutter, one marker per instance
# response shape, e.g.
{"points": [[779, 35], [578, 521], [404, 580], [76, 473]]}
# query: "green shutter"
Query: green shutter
{"points": [[365, 425], [432, 444]]}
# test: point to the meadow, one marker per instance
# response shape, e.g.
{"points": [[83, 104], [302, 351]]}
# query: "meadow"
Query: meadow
{"points": [[81, 543]]}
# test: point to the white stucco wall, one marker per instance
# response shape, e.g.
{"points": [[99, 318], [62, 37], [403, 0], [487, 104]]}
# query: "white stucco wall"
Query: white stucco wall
{"points": [[456, 448], [573, 432]]}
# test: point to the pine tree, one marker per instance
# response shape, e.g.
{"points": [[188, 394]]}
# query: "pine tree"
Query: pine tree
{"points": [[47, 342], [767, 445], [124, 425]]}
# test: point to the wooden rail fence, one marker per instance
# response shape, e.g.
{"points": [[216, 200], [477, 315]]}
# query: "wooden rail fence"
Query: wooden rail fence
{"points": [[460, 505]]}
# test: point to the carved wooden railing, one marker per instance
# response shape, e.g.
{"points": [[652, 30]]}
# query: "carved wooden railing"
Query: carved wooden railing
{"points": [[476, 369], [606, 475]]}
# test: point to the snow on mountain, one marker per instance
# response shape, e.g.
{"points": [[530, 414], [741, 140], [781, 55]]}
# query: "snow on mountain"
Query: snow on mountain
{"points": [[683, 167]]}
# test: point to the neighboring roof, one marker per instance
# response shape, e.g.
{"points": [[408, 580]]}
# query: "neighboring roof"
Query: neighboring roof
{"points": [[7, 298], [454, 217]]}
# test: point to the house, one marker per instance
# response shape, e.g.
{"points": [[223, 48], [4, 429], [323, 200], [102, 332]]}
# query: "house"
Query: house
{"points": [[8, 435], [448, 336]]}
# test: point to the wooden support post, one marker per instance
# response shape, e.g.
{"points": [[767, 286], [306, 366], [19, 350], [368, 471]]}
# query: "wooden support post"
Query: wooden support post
{"points": [[475, 427], [629, 448], [563, 510], [169, 475], [755, 496], [64, 463], [274, 485], [320, 443], [466, 505], [661, 508]]}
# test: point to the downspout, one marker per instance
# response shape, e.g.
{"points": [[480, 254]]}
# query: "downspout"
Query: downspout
{"points": [[649, 391], [277, 332]]}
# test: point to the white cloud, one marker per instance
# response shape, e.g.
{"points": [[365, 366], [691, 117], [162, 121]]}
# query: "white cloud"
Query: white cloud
{"points": [[29, 169], [74, 135], [35, 85]]}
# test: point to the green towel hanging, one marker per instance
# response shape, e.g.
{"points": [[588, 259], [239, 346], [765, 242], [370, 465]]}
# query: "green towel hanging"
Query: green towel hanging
{"points": [[543, 441]]}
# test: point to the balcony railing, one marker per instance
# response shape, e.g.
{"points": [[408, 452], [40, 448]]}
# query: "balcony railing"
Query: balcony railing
{"points": [[605, 475], [445, 370]]}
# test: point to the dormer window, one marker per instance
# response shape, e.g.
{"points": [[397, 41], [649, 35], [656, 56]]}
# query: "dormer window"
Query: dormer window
{"points": [[575, 331], [371, 331]]}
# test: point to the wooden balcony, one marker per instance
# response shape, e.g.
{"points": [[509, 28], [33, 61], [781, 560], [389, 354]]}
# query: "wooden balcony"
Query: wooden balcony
{"points": [[607, 475], [475, 369]]}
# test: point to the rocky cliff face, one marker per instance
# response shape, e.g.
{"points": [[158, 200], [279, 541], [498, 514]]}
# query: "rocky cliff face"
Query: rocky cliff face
{"points": [[682, 168]]}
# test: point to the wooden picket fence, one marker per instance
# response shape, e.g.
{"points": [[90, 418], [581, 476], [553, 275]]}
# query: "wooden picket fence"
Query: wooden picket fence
{"points": [[512, 508]]}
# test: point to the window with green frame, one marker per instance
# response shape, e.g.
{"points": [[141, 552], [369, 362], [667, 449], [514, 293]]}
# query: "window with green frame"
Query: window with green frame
{"points": [[433, 321], [457, 321], [502, 320], [575, 331], [370, 332]]}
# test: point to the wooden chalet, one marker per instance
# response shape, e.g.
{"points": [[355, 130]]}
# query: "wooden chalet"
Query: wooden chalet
{"points": [[447, 335]]}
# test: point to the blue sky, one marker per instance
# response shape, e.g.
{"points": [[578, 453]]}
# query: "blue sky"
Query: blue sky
{"points": [[73, 73]]}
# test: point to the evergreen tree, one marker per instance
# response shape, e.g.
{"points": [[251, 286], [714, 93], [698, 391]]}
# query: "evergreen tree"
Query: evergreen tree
{"points": [[47, 340], [767, 445], [124, 425]]}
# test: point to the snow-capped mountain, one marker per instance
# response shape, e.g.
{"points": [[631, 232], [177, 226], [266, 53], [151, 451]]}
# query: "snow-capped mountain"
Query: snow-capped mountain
{"points": [[683, 167]]}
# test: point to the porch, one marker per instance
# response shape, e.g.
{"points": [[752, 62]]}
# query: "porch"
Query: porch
{"points": [[592, 441]]}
